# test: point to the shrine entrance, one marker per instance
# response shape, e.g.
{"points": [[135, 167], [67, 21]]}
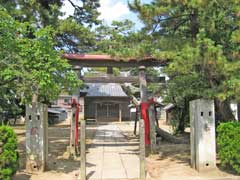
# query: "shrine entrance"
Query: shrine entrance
{"points": [[110, 144], [109, 110]]}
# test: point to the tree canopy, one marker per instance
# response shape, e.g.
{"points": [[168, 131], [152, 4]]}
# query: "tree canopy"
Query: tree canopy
{"points": [[201, 39], [73, 34], [33, 33], [31, 63]]}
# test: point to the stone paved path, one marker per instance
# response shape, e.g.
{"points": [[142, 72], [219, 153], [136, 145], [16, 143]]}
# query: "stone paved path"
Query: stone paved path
{"points": [[111, 156]]}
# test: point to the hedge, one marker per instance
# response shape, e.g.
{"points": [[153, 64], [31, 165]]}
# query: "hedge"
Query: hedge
{"points": [[229, 145], [8, 153]]}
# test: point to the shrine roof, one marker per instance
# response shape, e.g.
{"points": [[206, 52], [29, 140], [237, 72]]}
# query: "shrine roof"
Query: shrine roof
{"points": [[104, 90]]}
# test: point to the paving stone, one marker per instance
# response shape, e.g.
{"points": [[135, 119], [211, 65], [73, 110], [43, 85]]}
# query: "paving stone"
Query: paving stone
{"points": [[112, 156]]}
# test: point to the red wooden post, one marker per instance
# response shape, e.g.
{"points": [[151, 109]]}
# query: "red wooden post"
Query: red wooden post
{"points": [[144, 104]]}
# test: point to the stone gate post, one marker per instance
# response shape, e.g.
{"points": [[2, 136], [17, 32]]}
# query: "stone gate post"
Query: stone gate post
{"points": [[36, 137], [203, 143]]}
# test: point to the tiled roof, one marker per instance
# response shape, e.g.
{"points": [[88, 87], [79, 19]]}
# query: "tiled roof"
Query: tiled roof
{"points": [[104, 90]]}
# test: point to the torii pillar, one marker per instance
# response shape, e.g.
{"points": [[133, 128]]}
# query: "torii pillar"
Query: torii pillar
{"points": [[144, 99]]}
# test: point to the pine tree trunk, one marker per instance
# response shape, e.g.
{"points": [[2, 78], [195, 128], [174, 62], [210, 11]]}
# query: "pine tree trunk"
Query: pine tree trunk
{"points": [[223, 111], [169, 137], [181, 125], [34, 98]]}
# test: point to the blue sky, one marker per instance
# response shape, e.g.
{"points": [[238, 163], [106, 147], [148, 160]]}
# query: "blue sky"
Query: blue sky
{"points": [[111, 10]]}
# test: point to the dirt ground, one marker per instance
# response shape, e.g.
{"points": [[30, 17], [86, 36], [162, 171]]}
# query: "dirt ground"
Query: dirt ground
{"points": [[171, 162], [59, 167]]}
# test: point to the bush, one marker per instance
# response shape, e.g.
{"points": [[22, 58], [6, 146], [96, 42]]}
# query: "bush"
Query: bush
{"points": [[8, 153], [229, 145]]}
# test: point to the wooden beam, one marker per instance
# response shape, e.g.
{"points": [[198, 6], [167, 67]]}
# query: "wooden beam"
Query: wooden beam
{"points": [[73, 134], [83, 150], [113, 79], [107, 63], [135, 100], [117, 101], [142, 150], [143, 84]]}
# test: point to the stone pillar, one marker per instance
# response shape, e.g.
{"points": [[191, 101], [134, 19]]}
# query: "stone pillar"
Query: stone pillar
{"points": [[36, 137], [203, 143]]}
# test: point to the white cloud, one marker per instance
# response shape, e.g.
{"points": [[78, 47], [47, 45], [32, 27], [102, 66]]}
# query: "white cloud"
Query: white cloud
{"points": [[112, 10], [68, 9]]}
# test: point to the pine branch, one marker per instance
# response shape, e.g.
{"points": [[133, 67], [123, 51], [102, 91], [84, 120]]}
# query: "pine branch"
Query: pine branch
{"points": [[73, 5], [2, 83]]}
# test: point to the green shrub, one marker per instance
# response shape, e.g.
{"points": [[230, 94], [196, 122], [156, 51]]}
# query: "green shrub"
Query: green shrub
{"points": [[229, 145], [8, 153]]}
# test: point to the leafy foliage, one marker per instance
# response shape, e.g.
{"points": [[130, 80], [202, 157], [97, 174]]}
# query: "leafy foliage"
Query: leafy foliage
{"points": [[229, 145], [87, 13], [8, 65], [120, 41], [8, 154], [200, 40], [73, 37], [29, 63], [43, 72], [197, 72], [73, 33], [32, 35]]}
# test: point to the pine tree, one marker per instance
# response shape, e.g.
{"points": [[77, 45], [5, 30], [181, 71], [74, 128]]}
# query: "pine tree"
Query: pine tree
{"points": [[74, 33], [201, 41]]}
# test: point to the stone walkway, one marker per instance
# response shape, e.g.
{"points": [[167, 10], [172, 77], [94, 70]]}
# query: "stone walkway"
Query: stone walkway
{"points": [[111, 156]]}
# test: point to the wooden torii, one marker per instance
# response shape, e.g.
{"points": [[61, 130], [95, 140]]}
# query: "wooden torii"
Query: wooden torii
{"points": [[148, 130], [79, 61], [36, 114]]}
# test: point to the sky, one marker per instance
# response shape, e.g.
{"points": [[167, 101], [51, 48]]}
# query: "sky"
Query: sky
{"points": [[110, 10]]}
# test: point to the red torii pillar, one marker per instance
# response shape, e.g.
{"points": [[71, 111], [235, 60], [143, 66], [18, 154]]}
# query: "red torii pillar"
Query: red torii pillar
{"points": [[144, 103]]}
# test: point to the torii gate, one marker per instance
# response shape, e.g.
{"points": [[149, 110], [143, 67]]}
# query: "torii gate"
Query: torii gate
{"points": [[78, 61], [147, 135]]}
